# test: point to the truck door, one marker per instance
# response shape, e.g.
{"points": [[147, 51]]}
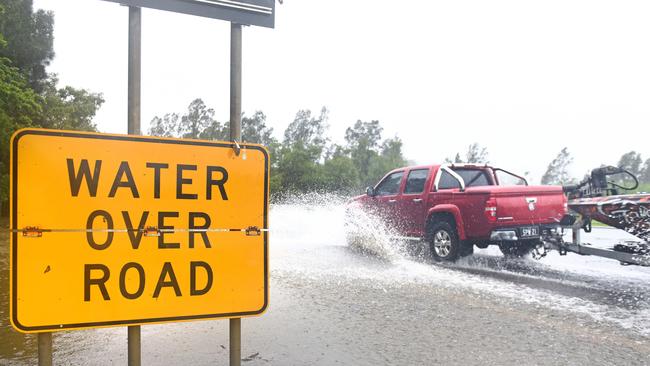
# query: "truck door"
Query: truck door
{"points": [[411, 204], [447, 185], [386, 193]]}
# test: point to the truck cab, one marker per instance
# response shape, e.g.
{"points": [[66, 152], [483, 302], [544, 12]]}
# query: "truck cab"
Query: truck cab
{"points": [[472, 205]]}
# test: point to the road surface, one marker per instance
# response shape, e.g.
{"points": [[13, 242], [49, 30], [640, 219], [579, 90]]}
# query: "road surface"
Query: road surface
{"points": [[336, 305]]}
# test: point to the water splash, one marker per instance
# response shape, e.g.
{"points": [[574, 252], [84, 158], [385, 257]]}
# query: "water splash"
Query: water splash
{"points": [[318, 237], [367, 234]]}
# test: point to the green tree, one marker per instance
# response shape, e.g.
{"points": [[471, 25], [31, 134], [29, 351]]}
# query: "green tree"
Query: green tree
{"points": [[196, 121], [307, 133], [297, 170], [340, 174], [371, 156], [390, 158], [68, 108], [298, 167], [476, 154], [29, 37], [20, 107], [254, 130], [557, 171], [644, 177], [165, 126], [456, 160], [199, 123], [29, 96], [363, 140], [631, 162]]}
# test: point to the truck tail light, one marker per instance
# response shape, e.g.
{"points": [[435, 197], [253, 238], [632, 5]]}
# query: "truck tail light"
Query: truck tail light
{"points": [[491, 209], [565, 204]]}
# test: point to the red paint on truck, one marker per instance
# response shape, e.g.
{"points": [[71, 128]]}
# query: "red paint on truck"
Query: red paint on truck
{"points": [[409, 199]]}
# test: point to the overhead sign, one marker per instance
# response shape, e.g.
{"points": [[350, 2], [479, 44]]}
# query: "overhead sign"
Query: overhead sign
{"points": [[246, 12], [121, 230]]}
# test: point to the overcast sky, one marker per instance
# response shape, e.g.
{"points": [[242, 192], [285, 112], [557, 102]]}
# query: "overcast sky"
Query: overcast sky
{"points": [[522, 78]]}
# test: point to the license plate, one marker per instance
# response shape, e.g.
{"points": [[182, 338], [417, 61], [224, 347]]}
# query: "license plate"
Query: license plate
{"points": [[529, 231]]}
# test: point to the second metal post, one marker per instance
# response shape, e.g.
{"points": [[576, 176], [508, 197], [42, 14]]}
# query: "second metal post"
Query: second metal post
{"points": [[235, 135], [133, 120], [235, 81], [45, 349], [135, 59]]}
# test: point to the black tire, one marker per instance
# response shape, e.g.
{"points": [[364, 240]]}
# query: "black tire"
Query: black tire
{"points": [[443, 242], [516, 249]]}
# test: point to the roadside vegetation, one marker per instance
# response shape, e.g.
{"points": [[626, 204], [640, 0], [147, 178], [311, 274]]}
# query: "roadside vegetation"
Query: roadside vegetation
{"points": [[29, 95], [305, 160], [558, 171]]}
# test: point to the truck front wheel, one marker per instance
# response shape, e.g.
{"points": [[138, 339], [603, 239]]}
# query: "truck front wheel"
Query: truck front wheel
{"points": [[443, 242]]}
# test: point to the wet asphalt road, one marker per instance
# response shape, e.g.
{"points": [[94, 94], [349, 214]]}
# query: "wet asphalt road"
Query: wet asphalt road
{"points": [[332, 305]]}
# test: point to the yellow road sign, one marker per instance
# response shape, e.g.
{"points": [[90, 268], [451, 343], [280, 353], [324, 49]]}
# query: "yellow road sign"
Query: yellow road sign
{"points": [[120, 230]]}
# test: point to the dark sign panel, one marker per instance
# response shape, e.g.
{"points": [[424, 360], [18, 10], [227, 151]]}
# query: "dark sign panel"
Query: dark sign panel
{"points": [[247, 12]]}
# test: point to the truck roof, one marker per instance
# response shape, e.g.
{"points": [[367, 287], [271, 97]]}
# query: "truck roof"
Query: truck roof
{"points": [[452, 165]]}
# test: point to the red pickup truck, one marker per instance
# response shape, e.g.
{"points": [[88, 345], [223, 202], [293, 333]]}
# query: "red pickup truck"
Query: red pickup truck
{"points": [[454, 207]]}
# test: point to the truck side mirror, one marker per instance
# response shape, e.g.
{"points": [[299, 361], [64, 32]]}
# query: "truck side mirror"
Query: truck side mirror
{"points": [[370, 191]]}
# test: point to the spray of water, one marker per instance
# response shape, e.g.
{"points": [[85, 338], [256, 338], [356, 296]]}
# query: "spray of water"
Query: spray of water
{"points": [[320, 237], [367, 234], [333, 217]]}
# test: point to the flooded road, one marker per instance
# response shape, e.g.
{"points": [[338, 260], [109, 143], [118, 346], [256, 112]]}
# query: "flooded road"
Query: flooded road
{"points": [[332, 304]]}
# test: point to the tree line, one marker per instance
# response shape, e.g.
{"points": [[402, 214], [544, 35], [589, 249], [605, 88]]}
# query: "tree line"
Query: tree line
{"points": [[30, 96], [557, 171], [305, 160]]}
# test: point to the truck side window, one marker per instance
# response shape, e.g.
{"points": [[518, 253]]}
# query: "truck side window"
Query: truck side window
{"points": [[390, 185], [415, 181], [447, 181], [508, 179]]}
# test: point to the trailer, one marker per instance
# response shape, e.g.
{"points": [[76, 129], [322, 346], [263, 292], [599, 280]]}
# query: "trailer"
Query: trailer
{"points": [[596, 198]]}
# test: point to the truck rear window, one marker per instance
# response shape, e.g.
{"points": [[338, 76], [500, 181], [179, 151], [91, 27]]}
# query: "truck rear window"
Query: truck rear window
{"points": [[447, 181], [473, 177]]}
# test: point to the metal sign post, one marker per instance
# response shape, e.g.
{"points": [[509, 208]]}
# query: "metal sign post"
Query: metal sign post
{"points": [[135, 61], [135, 66], [235, 136], [45, 349]]}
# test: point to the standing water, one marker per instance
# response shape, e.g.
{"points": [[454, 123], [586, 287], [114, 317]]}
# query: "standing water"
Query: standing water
{"points": [[309, 237]]}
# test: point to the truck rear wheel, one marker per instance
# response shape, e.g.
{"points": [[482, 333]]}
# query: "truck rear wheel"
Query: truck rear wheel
{"points": [[443, 241]]}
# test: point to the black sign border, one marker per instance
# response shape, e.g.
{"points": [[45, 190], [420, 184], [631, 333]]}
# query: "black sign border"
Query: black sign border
{"points": [[14, 227]]}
